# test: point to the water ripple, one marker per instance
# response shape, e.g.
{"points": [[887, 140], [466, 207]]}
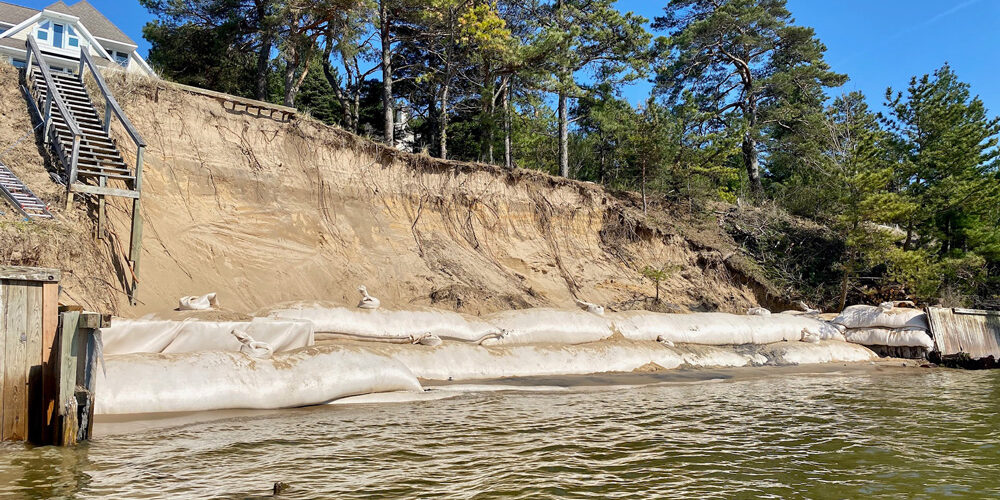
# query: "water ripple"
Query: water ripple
{"points": [[915, 434]]}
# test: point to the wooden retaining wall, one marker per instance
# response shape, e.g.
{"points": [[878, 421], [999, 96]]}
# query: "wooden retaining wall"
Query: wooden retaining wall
{"points": [[966, 336]]}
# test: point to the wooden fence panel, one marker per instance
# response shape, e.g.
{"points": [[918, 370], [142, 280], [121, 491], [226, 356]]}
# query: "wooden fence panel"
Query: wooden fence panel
{"points": [[15, 391]]}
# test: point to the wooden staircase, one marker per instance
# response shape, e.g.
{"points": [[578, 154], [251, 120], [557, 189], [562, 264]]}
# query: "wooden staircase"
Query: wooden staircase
{"points": [[89, 160], [98, 156]]}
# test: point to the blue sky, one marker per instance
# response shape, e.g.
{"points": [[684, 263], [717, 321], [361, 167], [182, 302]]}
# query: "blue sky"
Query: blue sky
{"points": [[883, 43], [878, 43]]}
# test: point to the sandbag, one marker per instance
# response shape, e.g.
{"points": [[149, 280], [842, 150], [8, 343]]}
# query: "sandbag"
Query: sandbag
{"points": [[719, 328], [889, 337], [537, 326], [150, 335], [153, 383], [896, 318], [195, 303]]}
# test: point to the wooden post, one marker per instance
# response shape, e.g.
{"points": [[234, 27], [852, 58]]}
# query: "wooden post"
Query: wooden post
{"points": [[101, 209], [77, 374], [135, 239], [68, 358]]}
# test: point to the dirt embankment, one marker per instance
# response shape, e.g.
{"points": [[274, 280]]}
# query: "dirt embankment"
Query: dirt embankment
{"points": [[266, 212]]}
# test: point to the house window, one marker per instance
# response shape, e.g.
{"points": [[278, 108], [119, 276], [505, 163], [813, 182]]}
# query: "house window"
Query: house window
{"points": [[58, 31], [58, 35], [19, 63], [72, 39], [121, 58]]}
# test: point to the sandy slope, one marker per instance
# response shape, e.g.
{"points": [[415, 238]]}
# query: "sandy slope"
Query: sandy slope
{"points": [[265, 212]]}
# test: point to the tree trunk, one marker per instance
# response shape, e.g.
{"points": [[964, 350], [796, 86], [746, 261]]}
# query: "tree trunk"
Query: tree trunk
{"points": [[291, 64], [843, 288], [563, 135], [263, 61], [443, 123], [644, 205], [508, 160], [751, 160], [385, 34]]}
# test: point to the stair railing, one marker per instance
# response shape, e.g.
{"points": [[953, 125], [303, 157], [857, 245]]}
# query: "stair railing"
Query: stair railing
{"points": [[113, 110], [53, 97]]}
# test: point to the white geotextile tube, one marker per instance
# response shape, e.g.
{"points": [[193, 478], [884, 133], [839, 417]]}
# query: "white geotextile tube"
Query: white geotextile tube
{"points": [[126, 336], [150, 383], [890, 337], [536, 326], [719, 328], [898, 318], [383, 323], [829, 351], [198, 303], [471, 362]]}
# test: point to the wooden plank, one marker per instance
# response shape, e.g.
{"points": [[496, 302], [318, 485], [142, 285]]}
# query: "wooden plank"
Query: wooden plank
{"points": [[67, 377], [30, 274], [231, 98], [33, 365], [50, 358], [15, 396], [3, 353]]}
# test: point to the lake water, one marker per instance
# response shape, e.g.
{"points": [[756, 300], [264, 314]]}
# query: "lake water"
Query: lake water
{"points": [[913, 433]]}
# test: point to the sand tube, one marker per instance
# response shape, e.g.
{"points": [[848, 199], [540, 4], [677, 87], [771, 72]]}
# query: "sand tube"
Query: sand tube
{"points": [[720, 328], [830, 351], [149, 383], [538, 326], [890, 337], [472, 362], [899, 318], [126, 336], [364, 324]]}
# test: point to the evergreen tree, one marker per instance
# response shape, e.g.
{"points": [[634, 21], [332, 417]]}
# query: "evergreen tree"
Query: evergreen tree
{"points": [[743, 58], [590, 35]]}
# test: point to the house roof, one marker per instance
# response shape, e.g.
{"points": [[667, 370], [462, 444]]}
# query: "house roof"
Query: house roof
{"points": [[96, 23], [91, 18], [14, 14]]}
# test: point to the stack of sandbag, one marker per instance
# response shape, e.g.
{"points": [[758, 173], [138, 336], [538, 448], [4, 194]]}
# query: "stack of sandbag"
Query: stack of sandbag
{"points": [[888, 329]]}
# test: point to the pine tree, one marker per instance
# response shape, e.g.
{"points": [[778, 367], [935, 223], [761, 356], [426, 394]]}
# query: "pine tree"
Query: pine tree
{"points": [[743, 58]]}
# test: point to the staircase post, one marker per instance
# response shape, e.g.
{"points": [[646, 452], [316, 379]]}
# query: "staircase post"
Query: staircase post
{"points": [[71, 179], [47, 118], [135, 239]]}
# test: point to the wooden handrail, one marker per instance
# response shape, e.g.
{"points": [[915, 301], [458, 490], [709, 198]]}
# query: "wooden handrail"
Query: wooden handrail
{"points": [[110, 102], [50, 83]]}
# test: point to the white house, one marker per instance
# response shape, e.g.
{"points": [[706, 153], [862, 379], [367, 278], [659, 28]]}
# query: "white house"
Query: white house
{"points": [[62, 31]]}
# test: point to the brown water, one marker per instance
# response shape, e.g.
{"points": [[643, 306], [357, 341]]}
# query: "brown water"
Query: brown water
{"points": [[900, 434]]}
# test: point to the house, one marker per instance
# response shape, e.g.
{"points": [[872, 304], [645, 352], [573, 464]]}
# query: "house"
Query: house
{"points": [[62, 31]]}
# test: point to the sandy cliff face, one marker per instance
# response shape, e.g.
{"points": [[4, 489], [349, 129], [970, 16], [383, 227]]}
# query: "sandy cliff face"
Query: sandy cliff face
{"points": [[266, 212]]}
